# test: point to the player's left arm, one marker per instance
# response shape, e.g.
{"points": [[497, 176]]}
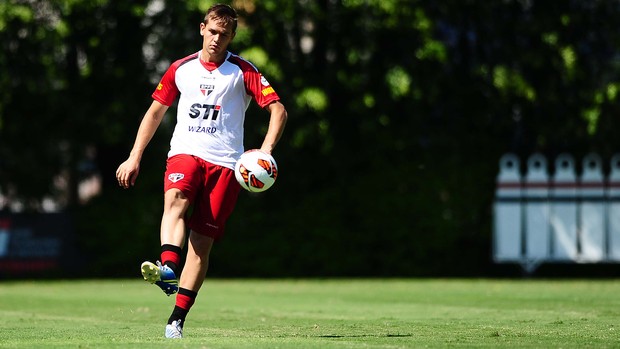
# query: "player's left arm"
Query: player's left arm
{"points": [[276, 126]]}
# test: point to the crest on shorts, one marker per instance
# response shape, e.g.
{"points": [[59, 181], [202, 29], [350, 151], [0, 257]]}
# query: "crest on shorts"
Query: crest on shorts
{"points": [[175, 177]]}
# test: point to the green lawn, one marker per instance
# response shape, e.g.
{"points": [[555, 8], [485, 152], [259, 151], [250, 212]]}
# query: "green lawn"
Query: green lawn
{"points": [[337, 313]]}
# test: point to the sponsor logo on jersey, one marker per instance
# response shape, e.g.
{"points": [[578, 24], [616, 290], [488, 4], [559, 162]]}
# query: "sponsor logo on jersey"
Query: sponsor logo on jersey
{"points": [[202, 129], [206, 89], [204, 111], [175, 177], [267, 91]]}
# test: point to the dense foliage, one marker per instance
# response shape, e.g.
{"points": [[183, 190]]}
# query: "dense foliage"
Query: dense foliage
{"points": [[399, 111]]}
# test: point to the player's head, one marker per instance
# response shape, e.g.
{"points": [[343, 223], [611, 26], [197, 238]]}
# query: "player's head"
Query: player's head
{"points": [[218, 30], [223, 14]]}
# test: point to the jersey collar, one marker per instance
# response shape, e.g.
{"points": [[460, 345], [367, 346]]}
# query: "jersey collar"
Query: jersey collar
{"points": [[211, 66]]}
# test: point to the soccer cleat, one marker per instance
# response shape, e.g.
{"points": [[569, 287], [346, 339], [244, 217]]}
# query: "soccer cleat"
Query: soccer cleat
{"points": [[174, 330], [160, 275]]}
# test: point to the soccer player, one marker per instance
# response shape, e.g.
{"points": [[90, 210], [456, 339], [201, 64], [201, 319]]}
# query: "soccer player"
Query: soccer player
{"points": [[214, 88]]}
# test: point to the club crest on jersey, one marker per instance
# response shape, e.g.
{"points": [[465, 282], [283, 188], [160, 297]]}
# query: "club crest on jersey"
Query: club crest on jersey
{"points": [[206, 89], [175, 177]]}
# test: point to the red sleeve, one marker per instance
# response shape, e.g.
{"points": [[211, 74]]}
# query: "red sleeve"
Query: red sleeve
{"points": [[167, 91], [259, 88], [255, 83]]}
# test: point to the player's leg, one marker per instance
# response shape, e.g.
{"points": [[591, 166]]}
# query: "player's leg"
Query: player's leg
{"points": [[172, 236], [207, 222], [176, 204], [182, 178], [192, 277], [197, 261]]}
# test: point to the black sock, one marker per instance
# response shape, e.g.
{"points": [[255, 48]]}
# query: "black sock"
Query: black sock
{"points": [[171, 256], [185, 300], [178, 314]]}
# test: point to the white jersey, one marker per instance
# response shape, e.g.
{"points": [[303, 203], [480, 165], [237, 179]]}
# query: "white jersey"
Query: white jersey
{"points": [[212, 104]]}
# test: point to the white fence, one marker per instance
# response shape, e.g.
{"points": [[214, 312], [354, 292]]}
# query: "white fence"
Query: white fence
{"points": [[561, 217]]}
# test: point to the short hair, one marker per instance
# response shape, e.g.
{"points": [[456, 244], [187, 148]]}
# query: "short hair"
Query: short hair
{"points": [[223, 13]]}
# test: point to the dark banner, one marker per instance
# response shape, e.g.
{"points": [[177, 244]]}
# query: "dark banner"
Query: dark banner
{"points": [[36, 245]]}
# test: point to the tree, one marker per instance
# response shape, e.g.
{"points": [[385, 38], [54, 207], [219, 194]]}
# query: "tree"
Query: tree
{"points": [[400, 111]]}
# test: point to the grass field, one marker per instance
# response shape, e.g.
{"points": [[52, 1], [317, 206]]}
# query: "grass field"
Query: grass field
{"points": [[338, 313]]}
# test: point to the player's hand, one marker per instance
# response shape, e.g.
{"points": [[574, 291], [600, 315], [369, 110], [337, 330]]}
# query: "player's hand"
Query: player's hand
{"points": [[127, 173]]}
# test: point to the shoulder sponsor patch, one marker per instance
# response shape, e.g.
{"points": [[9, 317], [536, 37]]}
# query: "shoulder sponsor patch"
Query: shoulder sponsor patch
{"points": [[264, 81], [267, 91]]}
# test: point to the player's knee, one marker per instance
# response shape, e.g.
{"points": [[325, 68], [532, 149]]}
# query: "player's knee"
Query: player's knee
{"points": [[176, 200]]}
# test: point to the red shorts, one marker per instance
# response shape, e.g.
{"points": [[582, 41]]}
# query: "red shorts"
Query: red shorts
{"points": [[211, 189]]}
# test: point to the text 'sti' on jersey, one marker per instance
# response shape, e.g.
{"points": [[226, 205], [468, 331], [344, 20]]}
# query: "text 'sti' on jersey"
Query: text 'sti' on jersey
{"points": [[212, 104]]}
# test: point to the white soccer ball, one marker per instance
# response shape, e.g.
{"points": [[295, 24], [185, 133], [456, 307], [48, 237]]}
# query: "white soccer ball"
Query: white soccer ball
{"points": [[256, 171]]}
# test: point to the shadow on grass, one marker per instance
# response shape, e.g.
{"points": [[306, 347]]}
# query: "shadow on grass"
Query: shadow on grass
{"points": [[363, 335]]}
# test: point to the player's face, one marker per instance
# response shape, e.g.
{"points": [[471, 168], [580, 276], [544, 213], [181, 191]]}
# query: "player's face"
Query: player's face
{"points": [[216, 37]]}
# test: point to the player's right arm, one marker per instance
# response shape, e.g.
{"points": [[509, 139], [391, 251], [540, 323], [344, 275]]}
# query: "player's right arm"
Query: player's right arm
{"points": [[128, 171]]}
